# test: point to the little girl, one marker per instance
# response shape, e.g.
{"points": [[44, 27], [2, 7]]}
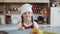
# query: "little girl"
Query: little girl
{"points": [[27, 17]]}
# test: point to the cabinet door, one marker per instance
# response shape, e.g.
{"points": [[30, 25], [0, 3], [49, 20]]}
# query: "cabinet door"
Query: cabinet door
{"points": [[8, 19], [55, 16]]}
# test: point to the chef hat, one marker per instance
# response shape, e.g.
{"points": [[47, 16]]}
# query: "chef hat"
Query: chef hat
{"points": [[25, 8]]}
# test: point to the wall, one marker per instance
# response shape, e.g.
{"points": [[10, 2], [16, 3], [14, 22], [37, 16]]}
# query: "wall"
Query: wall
{"points": [[55, 16], [35, 16]]}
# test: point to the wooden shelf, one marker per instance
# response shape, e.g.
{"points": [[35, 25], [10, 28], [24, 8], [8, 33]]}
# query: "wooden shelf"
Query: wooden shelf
{"points": [[11, 8], [39, 1], [2, 1]]}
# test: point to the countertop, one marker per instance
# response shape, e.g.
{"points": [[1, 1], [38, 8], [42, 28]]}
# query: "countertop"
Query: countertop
{"points": [[13, 29]]}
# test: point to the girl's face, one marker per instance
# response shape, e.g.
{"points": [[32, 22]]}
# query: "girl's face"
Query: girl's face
{"points": [[27, 16]]}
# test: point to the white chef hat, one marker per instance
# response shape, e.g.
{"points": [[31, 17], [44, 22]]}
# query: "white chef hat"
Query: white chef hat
{"points": [[25, 8]]}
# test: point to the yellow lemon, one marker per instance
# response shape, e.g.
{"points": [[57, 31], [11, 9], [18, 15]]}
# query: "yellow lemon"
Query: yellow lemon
{"points": [[36, 31]]}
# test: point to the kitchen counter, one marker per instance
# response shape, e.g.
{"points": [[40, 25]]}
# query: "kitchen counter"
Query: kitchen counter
{"points": [[8, 27], [13, 29]]}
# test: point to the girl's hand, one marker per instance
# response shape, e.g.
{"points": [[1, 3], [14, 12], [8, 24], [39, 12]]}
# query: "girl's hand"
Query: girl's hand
{"points": [[21, 28]]}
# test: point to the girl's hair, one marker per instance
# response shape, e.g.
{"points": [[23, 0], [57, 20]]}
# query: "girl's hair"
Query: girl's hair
{"points": [[23, 20], [40, 18], [3, 32]]}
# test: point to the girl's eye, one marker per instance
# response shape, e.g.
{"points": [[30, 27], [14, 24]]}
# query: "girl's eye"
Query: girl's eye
{"points": [[24, 13], [28, 12]]}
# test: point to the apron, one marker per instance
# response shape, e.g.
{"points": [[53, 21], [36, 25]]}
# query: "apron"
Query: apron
{"points": [[31, 26]]}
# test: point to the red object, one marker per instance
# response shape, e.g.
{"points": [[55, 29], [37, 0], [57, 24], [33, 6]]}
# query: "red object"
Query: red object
{"points": [[29, 27], [36, 9]]}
